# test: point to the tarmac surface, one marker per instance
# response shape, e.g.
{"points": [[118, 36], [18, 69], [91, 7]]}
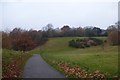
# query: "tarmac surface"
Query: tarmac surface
{"points": [[36, 67]]}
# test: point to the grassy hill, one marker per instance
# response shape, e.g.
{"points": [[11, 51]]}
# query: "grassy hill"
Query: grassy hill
{"points": [[56, 50]]}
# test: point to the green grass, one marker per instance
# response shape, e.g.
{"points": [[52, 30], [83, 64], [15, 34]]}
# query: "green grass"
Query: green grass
{"points": [[57, 50], [91, 59], [9, 56]]}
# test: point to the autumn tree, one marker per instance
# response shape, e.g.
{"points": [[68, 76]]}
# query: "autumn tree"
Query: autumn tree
{"points": [[114, 34], [114, 37], [112, 28], [35, 36], [21, 40], [6, 41], [23, 43]]}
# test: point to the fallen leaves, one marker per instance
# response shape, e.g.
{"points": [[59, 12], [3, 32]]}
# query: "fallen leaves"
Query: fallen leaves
{"points": [[12, 69], [78, 72]]}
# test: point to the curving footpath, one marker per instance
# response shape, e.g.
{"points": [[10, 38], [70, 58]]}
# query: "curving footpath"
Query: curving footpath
{"points": [[36, 67]]}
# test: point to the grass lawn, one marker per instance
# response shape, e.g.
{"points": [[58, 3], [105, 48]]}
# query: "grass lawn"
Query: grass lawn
{"points": [[94, 58], [56, 50], [13, 62]]}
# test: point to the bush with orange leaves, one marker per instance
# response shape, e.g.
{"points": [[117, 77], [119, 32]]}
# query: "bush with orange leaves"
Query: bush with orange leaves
{"points": [[114, 37], [6, 41]]}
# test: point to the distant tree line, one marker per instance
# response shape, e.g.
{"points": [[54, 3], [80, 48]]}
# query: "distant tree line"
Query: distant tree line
{"points": [[24, 40], [67, 31], [112, 32]]}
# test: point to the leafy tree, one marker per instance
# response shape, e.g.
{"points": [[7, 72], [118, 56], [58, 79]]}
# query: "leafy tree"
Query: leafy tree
{"points": [[49, 30], [36, 36], [112, 28], [114, 34], [89, 32], [6, 41], [97, 31], [77, 32], [23, 43], [26, 40], [114, 37], [66, 30]]}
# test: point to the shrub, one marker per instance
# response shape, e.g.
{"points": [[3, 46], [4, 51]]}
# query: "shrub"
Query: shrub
{"points": [[72, 43], [91, 43], [96, 41], [86, 45], [86, 42], [79, 44]]}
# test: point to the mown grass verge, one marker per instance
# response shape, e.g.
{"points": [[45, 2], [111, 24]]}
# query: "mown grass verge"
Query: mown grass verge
{"points": [[56, 50], [13, 63]]}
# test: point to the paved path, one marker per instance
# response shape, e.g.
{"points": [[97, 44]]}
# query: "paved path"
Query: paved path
{"points": [[36, 67]]}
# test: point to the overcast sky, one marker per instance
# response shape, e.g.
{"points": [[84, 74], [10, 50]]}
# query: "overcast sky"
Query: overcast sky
{"points": [[35, 14]]}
